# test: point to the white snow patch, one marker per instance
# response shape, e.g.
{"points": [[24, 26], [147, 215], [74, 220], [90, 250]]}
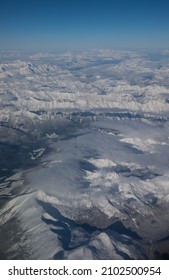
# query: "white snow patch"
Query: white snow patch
{"points": [[102, 163], [142, 144], [37, 153], [101, 178], [52, 135]]}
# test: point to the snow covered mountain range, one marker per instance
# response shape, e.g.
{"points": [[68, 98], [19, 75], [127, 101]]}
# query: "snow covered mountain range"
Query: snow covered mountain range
{"points": [[84, 147]]}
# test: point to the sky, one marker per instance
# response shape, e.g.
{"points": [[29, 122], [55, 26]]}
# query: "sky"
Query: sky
{"points": [[84, 24]]}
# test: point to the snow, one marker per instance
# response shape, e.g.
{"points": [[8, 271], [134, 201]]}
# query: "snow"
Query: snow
{"points": [[143, 145], [52, 135], [95, 125], [113, 89], [102, 163], [37, 153]]}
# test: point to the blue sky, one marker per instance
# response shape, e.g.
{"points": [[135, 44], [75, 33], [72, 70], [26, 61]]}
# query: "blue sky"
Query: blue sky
{"points": [[73, 24]]}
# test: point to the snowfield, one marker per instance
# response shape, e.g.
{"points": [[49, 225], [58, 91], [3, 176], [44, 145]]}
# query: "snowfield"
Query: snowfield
{"points": [[84, 155]]}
